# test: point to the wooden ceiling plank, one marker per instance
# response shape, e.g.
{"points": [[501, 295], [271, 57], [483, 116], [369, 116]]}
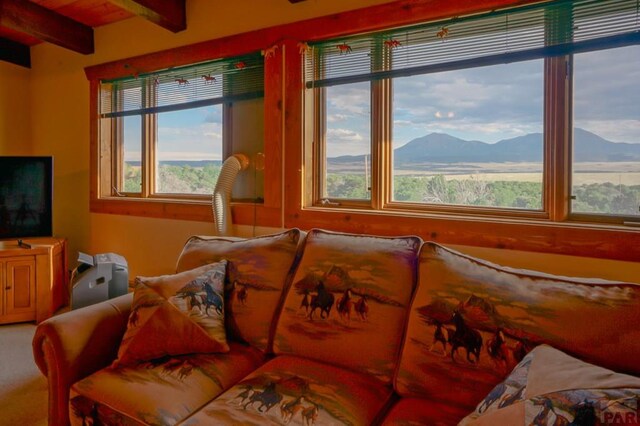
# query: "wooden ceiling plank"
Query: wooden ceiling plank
{"points": [[47, 25], [14, 52], [169, 14]]}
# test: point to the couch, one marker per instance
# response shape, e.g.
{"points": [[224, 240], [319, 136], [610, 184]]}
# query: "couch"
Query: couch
{"points": [[333, 328]]}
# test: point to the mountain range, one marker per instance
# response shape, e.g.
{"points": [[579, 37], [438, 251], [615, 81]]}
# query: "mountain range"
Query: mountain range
{"points": [[444, 148]]}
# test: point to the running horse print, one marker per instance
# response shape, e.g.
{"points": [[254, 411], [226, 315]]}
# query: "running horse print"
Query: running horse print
{"points": [[212, 298], [466, 337], [323, 299]]}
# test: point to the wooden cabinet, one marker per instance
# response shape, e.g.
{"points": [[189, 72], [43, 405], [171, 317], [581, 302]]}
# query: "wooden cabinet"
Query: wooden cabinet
{"points": [[19, 288], [33, 281]]}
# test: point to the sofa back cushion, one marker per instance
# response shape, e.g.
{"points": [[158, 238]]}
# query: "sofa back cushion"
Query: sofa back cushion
{"points": [[472, 321], [258, 271], [349, 301]]}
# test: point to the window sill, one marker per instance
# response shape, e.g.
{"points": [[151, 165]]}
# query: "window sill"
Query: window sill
{"points": [[504, 216], [185, 209], [528, 234]]}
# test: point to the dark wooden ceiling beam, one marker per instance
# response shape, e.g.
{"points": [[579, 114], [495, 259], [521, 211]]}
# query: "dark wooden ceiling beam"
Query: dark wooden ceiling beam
{"points": [[47, 25], [169, 14], [14, 52]]}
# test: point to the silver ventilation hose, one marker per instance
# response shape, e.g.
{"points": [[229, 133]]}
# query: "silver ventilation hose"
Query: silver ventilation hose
{"points": [[221, 199]]}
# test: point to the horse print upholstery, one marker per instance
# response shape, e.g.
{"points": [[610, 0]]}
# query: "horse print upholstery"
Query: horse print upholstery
{"points": [[258, 272], [301, 391], [495, 315], [167, 390], [340, 271], [555, 388], [333, 328], [176, 314]]}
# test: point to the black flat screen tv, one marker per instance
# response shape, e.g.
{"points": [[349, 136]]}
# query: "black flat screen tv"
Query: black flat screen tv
{"points": [[26, 197]]}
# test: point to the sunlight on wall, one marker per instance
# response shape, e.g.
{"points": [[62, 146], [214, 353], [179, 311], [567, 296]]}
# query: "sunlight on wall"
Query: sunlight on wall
{"points": [[15, 117], [47, 108], [59, 103], [571, 266]]}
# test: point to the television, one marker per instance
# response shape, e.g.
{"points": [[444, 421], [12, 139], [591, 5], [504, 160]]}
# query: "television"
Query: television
{"points": [[26, 197]]}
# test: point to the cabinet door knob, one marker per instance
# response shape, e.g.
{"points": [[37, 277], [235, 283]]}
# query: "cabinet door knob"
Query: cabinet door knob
{"points": [[7, 288]]}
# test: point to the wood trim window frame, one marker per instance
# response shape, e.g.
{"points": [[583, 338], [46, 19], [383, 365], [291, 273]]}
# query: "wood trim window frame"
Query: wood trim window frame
{"points": [[148, 140], [381, 159], [287, 144], [557, 136], [550, 232], [175, 206]]}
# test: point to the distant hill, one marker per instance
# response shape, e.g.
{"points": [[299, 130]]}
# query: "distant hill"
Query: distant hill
{"points": [[183, 163], [444, 148]]}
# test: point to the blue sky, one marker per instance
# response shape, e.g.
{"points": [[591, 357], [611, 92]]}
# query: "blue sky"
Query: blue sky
{"points": [[486, 104], [494, 103], [193, 134]]}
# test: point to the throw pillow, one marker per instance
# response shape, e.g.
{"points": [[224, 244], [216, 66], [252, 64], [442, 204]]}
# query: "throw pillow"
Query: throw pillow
{"points": [[259, 270], [472, 321], [350, 296], [176, 314], [551, 387]]}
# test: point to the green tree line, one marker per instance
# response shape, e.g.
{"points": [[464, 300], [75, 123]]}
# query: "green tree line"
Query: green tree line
{"points": [[175, 179], [605, 198]]}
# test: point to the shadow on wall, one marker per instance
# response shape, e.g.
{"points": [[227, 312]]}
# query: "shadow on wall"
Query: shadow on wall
{"points": [[71, 217], [151, 246]]}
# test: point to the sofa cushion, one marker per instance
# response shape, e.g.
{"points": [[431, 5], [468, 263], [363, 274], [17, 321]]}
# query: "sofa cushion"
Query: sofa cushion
{"points": [[176, 314], [494, 315], [164, 391], [350, 296], [420, 411], [258, 271], [548, 385], [291, 389]]}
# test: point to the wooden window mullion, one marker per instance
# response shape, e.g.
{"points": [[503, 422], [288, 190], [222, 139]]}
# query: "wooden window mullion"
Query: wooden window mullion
{"points": [[149, 142], [558, 136]]}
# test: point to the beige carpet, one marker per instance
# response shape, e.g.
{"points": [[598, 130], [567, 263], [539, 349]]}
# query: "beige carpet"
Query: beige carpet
{"points": [[23, 389]]}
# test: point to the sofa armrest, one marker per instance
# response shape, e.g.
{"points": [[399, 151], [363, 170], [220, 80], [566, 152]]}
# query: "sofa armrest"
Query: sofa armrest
{"points": [[71, 346]]}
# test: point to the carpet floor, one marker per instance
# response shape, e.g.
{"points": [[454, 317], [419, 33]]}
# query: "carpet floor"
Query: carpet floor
{"points": [[23, 389]]}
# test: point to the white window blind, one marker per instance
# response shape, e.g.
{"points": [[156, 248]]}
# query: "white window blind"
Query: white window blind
{"points": [[499, 36], [178, 88]]}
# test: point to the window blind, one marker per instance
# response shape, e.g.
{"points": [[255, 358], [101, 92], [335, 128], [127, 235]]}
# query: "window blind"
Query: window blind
{"points": [[185, 87], [499, 36]]}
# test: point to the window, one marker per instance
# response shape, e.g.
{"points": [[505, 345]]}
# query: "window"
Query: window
{"points": [[606, 137], [462, 115], [130, 164], [164, 135], [348, 142], [470, 137], [186, 139]]}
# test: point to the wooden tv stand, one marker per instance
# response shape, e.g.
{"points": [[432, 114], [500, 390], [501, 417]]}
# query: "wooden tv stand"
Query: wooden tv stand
{"points": [[33, 279]]}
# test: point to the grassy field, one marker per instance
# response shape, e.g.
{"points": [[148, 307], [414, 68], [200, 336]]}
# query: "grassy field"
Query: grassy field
{"points": [[622, 173], [579, 178]]}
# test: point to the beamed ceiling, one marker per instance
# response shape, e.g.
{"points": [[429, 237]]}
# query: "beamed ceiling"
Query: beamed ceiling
{"points": [[70, 23]]}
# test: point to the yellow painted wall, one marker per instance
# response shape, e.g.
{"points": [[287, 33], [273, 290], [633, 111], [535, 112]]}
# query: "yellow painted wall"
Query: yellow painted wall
{"points": [[15, 112], [571, 266], [55, 118], [59, 105]]}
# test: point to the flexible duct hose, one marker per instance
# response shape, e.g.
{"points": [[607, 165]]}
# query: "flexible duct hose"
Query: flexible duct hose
{"points": [[221, 199]]}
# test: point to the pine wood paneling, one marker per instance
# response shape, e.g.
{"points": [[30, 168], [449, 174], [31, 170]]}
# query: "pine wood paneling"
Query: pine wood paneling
{"points": [[169, 14], [18, 37], [45, 24], [93, 13], [284, 129], [273, 125]]}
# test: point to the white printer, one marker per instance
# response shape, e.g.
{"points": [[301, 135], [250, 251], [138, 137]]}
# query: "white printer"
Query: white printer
{"points": [[98, 278]]}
